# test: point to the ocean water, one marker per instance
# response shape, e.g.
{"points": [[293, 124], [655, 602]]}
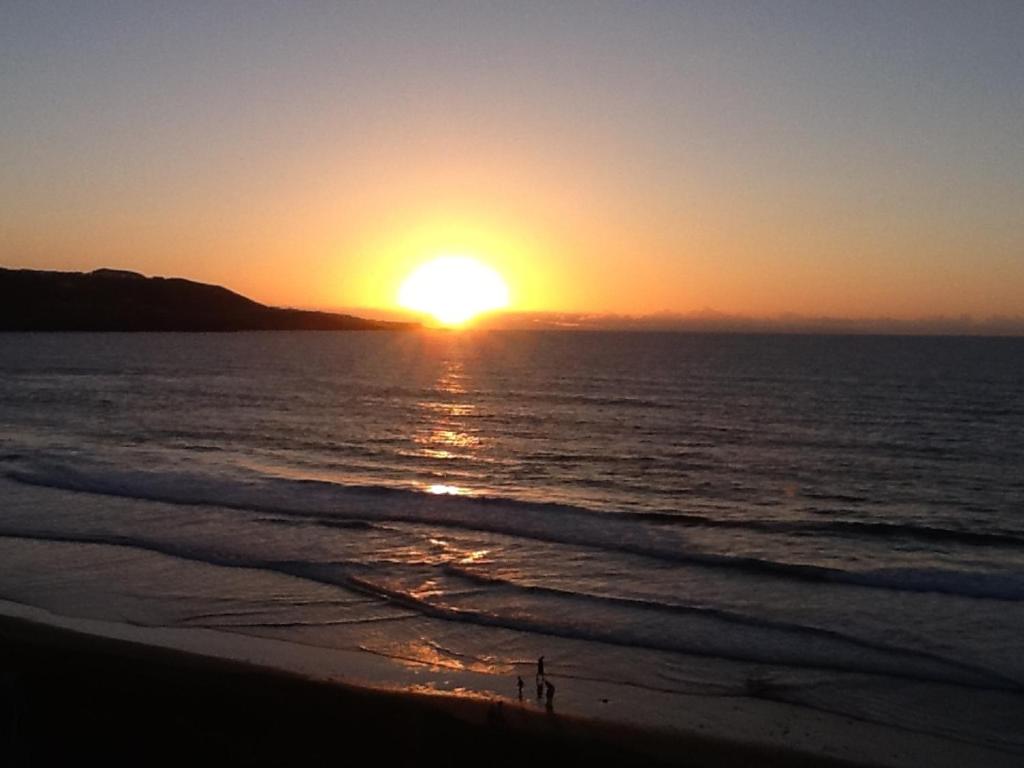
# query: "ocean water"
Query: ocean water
{"points": [[835, 523]]}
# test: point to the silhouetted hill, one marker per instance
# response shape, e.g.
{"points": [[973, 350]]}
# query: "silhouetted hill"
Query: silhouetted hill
{"points": [[117, 300]]}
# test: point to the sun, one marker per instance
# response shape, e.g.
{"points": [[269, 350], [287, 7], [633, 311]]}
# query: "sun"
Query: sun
{"points": [[454, 289]]}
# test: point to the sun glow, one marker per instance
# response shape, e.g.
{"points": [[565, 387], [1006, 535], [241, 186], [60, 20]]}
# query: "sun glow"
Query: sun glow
{"points": [[454, 289]]}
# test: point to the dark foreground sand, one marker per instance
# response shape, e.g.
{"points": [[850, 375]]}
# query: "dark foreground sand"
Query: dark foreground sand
{"points": [[68, 698]]}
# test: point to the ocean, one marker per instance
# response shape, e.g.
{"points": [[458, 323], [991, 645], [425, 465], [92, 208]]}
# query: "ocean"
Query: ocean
{"points": [[830, 524]]}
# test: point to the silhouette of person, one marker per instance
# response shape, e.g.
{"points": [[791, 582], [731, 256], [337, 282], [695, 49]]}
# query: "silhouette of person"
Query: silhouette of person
{"points": [[540, 667], [550, 694], [519, 684]]}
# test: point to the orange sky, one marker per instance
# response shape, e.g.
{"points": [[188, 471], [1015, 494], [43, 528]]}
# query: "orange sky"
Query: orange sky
{"points": [[826, 162]]}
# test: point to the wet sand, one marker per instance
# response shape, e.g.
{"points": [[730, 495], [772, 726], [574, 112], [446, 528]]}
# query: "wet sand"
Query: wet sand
{"points": [[67, 697]]}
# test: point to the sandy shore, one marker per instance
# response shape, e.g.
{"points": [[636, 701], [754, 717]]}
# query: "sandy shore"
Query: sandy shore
{"points": [[67, 696]]}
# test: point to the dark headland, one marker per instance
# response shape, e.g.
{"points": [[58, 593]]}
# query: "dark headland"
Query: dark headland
{"points": [[116, 300]]}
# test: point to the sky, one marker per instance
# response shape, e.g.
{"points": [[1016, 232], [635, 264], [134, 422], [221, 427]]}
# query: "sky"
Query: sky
{"points": [[841, 159]]}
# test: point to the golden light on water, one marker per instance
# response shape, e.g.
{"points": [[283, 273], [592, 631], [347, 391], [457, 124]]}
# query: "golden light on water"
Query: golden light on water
{"points": [[453, 289], [441, 489]]}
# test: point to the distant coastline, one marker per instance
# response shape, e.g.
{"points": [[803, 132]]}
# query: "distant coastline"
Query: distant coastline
{"points": [[117, 300], [712, 322]]}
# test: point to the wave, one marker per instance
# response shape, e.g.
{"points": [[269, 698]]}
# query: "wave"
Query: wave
{"points": [[726, 616], [327, 503], [592, 400], [846, 527], [765, 641]]}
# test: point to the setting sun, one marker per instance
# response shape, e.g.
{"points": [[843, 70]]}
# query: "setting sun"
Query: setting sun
{"points": [[453, 289]]}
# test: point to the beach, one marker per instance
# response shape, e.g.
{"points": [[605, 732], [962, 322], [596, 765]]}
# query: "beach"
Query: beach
{"points": [[69, 697]]}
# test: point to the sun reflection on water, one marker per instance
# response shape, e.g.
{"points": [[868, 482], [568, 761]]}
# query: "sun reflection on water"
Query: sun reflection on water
{"points": [[445, 434], [427, 653], [447, 408], [476, 555], [440, 489]]}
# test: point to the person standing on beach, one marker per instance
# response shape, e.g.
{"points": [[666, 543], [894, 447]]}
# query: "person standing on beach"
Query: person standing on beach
{"points": [[519, 684], [540, 677], [551, 695]]}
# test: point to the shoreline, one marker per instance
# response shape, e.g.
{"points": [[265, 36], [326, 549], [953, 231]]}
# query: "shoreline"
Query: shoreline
{"points": [[66, 694]]}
